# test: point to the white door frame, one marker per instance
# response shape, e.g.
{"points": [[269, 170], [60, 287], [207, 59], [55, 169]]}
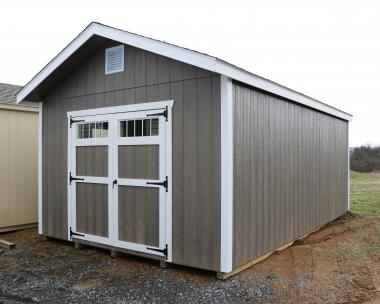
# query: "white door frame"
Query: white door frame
{"points": [[76, 115]]}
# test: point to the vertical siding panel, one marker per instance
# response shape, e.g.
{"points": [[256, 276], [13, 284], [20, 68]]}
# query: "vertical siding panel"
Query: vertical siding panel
{"points": [[190, 170], [152, 69], [216, 171], [140, 68], [129, 67], [204, 211], [177, 90], [163, 69]]}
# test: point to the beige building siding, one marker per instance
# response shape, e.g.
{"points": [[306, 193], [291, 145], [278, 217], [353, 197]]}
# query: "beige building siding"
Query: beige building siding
{"points": [[18, 167]]}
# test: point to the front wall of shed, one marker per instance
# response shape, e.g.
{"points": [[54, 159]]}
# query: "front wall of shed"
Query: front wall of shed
{"points": [[196, 143], [290, 172]]}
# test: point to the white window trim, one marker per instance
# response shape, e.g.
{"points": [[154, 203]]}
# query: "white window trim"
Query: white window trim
{"points": [[122, 59], [227, 175]]}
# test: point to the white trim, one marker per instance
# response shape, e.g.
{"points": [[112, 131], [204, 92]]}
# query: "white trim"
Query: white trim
{"points": [[226, 175], [39, 179], [348, 166], [122, 109], [203, 61]]}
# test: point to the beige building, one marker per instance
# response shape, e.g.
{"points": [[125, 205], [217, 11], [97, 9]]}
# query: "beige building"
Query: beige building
{"points": [[18, 161]]}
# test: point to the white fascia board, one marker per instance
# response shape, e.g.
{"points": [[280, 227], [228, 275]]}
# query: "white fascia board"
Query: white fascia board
{"points": [[200, 60], [55, 62]]}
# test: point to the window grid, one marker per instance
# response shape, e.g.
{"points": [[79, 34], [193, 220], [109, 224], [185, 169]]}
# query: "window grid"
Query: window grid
{"points": [[97, 129], [139, 127]]}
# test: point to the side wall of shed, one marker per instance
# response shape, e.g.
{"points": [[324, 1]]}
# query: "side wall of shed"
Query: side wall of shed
{"points": [[196, 142], [290, 172], [18, 168]]}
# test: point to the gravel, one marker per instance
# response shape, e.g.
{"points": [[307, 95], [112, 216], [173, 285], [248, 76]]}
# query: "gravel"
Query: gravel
{"points": [[55, 272]]}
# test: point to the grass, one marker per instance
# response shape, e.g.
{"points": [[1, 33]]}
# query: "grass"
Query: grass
{"points": [[364, 193]]}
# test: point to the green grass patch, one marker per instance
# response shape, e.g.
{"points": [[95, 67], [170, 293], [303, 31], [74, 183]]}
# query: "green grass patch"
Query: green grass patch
{"points": [[364, 193]]}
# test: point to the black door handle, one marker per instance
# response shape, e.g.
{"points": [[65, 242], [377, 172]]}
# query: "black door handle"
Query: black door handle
{"points": [[114, 183]]}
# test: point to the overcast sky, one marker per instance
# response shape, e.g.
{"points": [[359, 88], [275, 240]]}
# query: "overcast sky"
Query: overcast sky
{"points": [[329, 50]]}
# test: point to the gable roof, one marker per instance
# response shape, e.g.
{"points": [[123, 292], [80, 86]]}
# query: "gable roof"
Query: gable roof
{"points": [[91, 36]]}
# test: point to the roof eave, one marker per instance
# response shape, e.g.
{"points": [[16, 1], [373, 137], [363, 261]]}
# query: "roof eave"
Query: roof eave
{"points": [[177, 53]]}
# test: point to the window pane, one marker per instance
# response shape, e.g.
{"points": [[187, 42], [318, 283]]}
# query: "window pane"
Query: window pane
{"points": [[105, 129], [154, 127], [98, 129], [131, 128], [146, 129], [92, 130], [138, 128], [80, 131], [86, 130], [123, 130]]}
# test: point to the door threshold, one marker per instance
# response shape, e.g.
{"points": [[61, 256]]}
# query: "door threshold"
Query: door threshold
{"points": [[117, 249]]}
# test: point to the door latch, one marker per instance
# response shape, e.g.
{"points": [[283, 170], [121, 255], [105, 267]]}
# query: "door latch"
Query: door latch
{"points": [[164, 184], [114, 183]]}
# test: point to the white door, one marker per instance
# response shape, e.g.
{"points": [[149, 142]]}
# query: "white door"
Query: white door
{"points": [[119, 179]]}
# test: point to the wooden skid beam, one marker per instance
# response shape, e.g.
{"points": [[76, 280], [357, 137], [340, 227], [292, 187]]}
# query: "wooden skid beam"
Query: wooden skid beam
{"points": [[7, 245]]}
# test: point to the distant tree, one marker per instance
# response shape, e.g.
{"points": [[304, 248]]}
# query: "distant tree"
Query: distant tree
{"points": [[365, 159]]}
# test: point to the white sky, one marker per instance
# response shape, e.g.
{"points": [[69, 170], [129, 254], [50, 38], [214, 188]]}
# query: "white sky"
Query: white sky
{"points": [[329, 50]]}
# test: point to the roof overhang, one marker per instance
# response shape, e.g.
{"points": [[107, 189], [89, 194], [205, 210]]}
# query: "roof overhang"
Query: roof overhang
{"points": [[210, 63]]}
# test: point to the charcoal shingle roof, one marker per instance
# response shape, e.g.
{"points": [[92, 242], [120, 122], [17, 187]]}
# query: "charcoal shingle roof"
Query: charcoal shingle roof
{"points": [[8, 93]]}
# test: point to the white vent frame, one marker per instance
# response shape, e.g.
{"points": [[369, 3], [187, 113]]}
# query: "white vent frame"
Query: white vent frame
{"points": [[107, 71]]}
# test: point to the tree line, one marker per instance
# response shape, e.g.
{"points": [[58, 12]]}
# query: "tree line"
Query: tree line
{"points": [[365, 159]]}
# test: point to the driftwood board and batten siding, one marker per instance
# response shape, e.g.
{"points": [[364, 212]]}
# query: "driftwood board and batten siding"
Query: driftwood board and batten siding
{"points": [[18, 167], [196, 143], [290, 172]]}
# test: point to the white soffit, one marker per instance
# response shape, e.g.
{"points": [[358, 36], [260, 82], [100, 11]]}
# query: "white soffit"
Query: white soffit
{"points": [[201, 60]]}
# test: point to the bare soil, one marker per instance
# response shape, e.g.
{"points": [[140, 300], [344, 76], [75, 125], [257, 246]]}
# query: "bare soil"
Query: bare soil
{"points": [[338, 264]]}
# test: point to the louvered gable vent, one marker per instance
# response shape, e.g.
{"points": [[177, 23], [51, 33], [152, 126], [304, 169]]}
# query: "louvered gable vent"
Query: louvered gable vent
{"points": [[115, 59]]}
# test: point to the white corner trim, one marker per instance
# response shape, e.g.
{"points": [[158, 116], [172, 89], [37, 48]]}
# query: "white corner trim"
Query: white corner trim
{"points": [[348, 167], [39, 178], [201, 60], [226, 224]]}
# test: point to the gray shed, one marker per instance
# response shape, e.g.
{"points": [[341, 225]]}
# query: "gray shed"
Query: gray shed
{"points": [[161, 151]]}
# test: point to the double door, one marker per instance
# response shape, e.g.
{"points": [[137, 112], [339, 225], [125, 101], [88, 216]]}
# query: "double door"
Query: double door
{"points": [[118, 181]]}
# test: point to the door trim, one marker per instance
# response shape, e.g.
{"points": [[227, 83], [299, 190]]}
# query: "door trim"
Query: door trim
{"points": [[166, 105]]}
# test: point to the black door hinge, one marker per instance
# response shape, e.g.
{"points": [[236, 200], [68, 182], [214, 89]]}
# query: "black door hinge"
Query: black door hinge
{"points": [[74, 233], [75, 178], [74, 121], [164, 183], [163, 251], [165, 114]]}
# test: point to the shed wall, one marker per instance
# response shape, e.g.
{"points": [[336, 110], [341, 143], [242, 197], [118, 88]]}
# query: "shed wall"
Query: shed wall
{"points": [[18, 168], [196, 142], [290, 172]]}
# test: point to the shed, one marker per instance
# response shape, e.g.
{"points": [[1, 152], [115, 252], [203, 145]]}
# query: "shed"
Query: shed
{"points": [[18, 161], [161, 151]]}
